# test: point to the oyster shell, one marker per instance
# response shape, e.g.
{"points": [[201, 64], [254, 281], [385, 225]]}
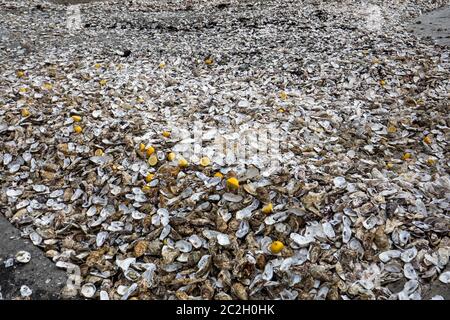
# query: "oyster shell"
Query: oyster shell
{"points": [[88, 290], [167, 169], [23, 256]]}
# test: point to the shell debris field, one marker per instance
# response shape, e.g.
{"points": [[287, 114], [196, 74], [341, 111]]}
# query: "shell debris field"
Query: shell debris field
{"points": [[354, 116]]}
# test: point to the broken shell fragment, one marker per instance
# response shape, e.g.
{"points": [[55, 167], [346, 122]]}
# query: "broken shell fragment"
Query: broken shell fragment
{"points": [[25, 291], [223, 239], [408, 255], [140, 248], [104, 295], [88, 290], [340, 182], [183, 246], [239, 291], [445, 277], [23, 256], [388, 255], [300, 240]]}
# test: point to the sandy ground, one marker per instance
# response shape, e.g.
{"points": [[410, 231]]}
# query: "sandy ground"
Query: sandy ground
{"points": [[435, 25], [40, 274]]}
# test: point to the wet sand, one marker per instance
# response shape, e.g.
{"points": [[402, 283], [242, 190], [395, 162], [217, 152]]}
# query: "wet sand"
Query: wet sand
{"points": [[40, 274], [435, 25]]}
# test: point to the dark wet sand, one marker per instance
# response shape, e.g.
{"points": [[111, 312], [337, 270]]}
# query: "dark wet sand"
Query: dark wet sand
{"points": [[434, 24], [40, 274]]}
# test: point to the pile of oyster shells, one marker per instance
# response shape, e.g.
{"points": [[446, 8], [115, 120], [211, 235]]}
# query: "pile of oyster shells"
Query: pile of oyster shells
{"points": [[360, 196]]}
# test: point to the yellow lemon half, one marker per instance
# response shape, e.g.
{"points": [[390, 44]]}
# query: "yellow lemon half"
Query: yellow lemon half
{"points": [[77, 129], [276, 247], [391, 129], [149, 151], [149, 177], [268, 208], [153, 160], [232, 183], [406, 156], [76, 118], [171, 156], [183, 163], [431, 161], [205, 161], [25, 113], [47, 86]]}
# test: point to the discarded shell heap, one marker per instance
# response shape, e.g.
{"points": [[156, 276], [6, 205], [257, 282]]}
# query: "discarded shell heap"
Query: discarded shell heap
{"points": [[357, 209]]}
